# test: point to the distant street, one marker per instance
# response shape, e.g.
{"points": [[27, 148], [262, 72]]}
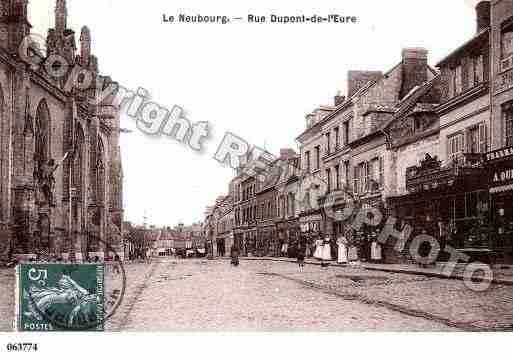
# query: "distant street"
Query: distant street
{"points": [[198, 294]]}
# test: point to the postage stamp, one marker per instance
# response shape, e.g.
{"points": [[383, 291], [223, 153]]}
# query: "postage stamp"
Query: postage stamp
{"points": [[60, 297]]}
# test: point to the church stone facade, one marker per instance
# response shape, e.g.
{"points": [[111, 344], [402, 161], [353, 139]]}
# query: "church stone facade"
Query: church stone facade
{"points": [[60, 162]]}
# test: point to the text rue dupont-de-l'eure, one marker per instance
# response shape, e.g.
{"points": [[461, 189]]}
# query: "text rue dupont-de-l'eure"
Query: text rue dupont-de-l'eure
{"points": [[250, 18]]}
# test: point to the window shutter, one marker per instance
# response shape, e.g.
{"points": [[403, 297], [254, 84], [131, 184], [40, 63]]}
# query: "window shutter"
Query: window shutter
{"points": [[381, 171], [366, 176], [471, 73], [483, 138], [356, 179]]}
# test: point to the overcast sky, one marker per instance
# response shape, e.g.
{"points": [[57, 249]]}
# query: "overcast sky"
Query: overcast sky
{"points": [[255, 80]]}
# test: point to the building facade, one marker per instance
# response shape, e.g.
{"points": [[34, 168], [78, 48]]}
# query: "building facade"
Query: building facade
{"points": [[60, 163], [433, 148], [500, 159]]}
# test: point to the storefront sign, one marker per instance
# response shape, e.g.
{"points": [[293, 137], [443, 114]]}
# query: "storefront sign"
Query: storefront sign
{"points": [[502, 174], [499, 154]]}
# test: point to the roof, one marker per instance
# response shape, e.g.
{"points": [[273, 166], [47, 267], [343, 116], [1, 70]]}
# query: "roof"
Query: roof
{"points": [[411, 100], [463, 47], [364, 89]]}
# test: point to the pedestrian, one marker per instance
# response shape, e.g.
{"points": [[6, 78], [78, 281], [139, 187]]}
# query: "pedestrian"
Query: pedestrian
{"points": [[301, 252], [116, 268], [376, 252], [326, 251], [342, 250], [318, 248], [234, 254], [284, 249]]}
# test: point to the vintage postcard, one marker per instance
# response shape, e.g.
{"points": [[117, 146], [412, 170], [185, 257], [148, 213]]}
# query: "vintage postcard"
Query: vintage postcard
{"points": [[253, 167]]}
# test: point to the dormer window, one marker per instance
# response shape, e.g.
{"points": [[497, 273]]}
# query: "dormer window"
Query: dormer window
{"points": [[507, 46]]}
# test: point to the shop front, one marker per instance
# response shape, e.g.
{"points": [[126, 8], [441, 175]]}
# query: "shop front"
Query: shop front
{"points": [[266, 241], [337, 220], [250, 243], [287, 235], [238, 239], [500, 175], [311, 228], [449, 203]]}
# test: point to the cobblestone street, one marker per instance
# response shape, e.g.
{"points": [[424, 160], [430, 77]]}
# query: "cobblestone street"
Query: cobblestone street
{"points": [[211, 295], [263, 295]]}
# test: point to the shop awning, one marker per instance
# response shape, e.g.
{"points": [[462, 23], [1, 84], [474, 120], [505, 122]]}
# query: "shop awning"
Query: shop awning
{"points": [[500, 189]]}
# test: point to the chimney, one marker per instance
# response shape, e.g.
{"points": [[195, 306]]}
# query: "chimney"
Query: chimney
{"points": [[483, 11], [415, 68], [357, 79], [287, 153], [339, 99]]}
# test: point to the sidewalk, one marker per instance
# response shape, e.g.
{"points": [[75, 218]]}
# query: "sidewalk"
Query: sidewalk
{"points": [[502, 274]]}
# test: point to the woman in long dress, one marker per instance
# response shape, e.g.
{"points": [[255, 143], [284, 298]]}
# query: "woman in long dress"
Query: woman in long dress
{"points": [[318, 248], [376, 255], [326, 249], [284, 249], [342, 250]]}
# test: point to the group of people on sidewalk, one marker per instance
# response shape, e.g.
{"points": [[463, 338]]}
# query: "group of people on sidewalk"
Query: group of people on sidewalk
{"points": [[345, 252], [322, 251]]}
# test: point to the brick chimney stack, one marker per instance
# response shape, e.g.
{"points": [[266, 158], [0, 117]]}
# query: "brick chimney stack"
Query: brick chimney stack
{"points": [[339, 99], [415, 68], [287, 153], [483, 12], [357, 79]]}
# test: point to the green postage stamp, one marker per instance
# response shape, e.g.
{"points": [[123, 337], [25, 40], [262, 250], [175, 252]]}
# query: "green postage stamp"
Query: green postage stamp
{"points": [[60, 297]]}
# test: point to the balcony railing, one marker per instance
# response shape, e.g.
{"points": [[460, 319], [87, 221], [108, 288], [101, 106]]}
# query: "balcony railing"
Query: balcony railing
{"points": [[431, 174]]}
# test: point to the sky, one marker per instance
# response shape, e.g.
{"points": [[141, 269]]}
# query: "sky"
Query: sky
{"points": [[257, 81]]}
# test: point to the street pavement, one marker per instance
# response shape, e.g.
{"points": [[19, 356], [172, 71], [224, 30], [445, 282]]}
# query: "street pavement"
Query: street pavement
{"points": [[6, 299], [201, 295]]}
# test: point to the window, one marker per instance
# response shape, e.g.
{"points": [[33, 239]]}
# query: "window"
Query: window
{"points": [[307, 154], [361, 178], [473, 140], [458, 80], [456, 145], [418, 124], [356, 179], [328, 179], [451, 83], [328, 143], [374, 175], [483, 138], [477, 139], [317, 157], [346, 173], [337, 177], [507, 43], [507, 115], [471, 73], [337, 139], [478, 69], [471, 204], [345, 128]]}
